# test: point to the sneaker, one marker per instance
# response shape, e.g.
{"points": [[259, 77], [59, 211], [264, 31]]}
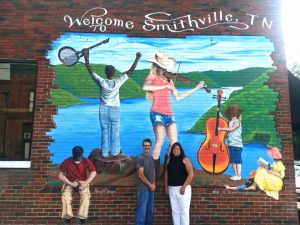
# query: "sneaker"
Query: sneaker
{"points": [[232, 178], [235, 178], [80, 221], [66, 221]]}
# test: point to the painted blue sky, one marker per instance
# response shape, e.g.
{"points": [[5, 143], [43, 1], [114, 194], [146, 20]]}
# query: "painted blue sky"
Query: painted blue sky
{"points": [[196, 53]]}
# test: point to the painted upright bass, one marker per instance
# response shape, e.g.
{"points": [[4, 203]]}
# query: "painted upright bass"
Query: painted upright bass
{"points": [[213, 154]]}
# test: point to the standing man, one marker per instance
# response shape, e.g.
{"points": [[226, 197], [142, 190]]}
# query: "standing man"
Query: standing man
{"points": [[109, 112], [76, 172], [145, 186]]}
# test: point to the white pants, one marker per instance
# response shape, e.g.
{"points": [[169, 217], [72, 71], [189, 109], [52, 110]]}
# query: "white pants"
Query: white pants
{"points": [[180, 205]]}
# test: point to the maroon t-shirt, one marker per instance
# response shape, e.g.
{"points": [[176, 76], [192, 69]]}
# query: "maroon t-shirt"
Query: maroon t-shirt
{"points": [[74, 171]]}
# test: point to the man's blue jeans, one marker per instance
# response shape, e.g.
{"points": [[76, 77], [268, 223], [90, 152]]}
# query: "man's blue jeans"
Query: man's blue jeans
{"points": [[145, 208], [110, 125]]}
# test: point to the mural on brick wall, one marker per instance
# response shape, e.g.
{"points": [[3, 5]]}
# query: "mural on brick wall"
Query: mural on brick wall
{"points": [[235, 72]]}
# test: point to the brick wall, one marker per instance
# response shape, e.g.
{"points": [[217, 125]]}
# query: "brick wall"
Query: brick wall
{"points": [[26, 31]]}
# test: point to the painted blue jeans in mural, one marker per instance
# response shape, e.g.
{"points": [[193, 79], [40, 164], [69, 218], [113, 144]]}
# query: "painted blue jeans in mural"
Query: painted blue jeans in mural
{"points": [[145, 208], [110, 125]]}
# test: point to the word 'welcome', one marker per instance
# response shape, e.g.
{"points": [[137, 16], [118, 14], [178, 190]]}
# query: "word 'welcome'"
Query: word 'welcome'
{"points": [[96, 19]]}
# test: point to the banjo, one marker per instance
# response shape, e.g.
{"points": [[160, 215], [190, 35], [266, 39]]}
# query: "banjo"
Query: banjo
{"points": [[70, 57]]}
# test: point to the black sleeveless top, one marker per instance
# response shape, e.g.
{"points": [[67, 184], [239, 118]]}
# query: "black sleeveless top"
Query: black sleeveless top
{"points": [[177, 173]]}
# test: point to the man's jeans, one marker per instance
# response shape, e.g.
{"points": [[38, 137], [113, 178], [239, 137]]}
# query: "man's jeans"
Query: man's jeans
{"points": [[110, 125], [145, 208]]}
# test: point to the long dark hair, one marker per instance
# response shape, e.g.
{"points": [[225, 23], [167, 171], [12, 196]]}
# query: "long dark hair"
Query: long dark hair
{"points": [[181, 156]]}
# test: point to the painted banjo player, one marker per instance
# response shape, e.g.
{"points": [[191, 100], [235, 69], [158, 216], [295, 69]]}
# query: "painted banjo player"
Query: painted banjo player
{"points": [[109, 110]]}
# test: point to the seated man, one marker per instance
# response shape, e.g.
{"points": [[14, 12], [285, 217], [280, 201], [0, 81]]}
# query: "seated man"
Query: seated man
{"points": [[76, 172]]}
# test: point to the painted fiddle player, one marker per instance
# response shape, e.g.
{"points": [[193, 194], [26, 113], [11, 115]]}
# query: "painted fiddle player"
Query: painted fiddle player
{"points": [[159, 82]]}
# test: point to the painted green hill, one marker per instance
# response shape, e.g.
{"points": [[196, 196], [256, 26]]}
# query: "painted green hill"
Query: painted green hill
{"points": [[258, 119], [76, 81], [233, 78], [62, 98], [139, 76]]}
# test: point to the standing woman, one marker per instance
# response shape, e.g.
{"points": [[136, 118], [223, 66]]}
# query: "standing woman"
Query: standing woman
{"points": [[161, 114], [178, 177]]}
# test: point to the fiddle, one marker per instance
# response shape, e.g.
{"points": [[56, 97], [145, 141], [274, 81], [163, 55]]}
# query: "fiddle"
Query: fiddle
{"points": [[177, 76]]}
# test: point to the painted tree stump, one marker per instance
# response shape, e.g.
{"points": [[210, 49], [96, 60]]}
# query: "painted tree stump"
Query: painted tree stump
{"points": [[120, 164]]}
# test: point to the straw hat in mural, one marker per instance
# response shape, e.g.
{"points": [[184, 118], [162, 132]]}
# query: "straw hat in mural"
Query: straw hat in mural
{"points": [[233, 110], [274, 153], [162, 59]]}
